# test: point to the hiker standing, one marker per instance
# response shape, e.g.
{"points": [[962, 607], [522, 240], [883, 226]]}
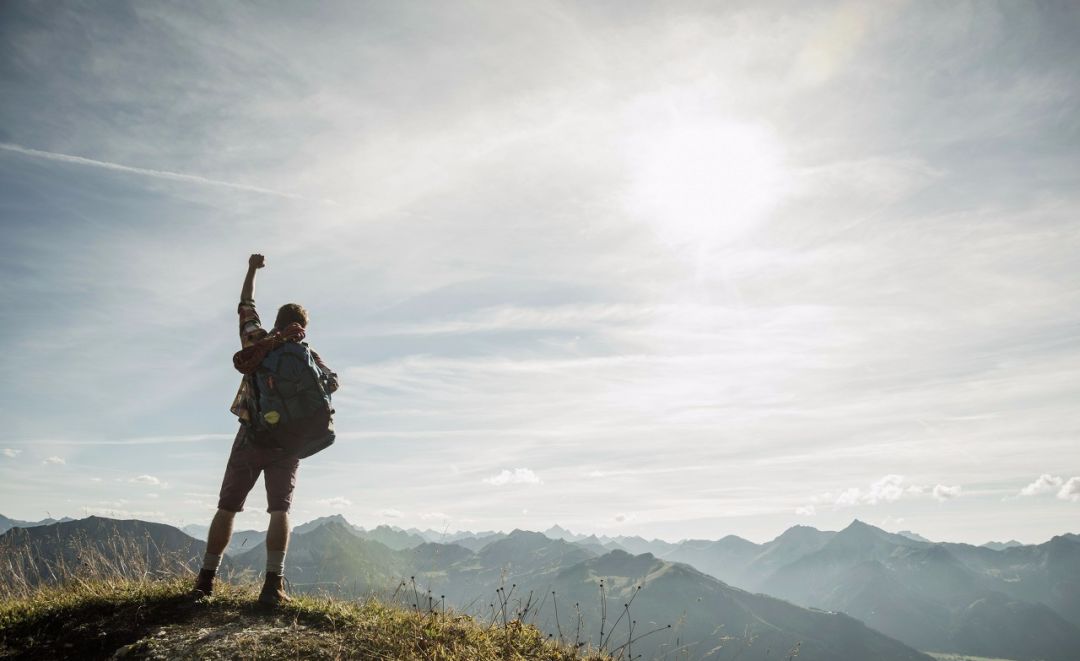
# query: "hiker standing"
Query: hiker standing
{"points": [[285, 415]]}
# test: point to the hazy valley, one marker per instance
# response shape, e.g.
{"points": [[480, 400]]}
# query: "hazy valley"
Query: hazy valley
{"points": [[857, 593]]}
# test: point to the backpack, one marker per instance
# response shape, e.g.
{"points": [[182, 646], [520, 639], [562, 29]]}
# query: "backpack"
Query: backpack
{"points": [[295, 413]]}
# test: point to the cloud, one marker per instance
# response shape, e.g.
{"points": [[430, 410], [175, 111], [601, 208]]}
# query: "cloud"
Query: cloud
{"points": [[942, 492], [777, 339], [627, 472], [146, 172], [1070, 490], [390, 513], [53, 460], [147, 479], [336, 502], [1044, 484], [8, 452], [1067, 489], [434, 516], [888, 489], [516, 476], [848, 497], [123, 513], [138, 440]]}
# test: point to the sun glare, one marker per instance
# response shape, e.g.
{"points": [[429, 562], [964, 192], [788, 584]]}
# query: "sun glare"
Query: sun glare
{"points": [[705, 183]]}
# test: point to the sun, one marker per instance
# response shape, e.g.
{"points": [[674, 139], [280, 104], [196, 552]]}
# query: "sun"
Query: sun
{"points": [[706, 182]]}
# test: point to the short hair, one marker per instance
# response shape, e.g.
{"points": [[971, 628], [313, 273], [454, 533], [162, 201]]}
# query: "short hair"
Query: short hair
{"points": [[291, 313]]}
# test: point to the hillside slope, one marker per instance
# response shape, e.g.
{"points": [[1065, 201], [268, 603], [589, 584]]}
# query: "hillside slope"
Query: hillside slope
{"points": [[95, 546], [945, 597], [159, 620]]}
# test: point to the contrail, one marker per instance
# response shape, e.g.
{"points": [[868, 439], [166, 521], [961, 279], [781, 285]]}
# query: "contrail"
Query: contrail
{"points": [[159, 174], [144, 440]]}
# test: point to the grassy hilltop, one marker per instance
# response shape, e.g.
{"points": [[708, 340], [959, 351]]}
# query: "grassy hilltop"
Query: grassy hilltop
{"points": [[159, 620]]}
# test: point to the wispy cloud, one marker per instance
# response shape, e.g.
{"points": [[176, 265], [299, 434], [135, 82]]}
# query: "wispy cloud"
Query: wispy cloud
{"points": [[336, 502], [149, 480], [140, 440], [10, 452], [546, 264], [122, 513], [54, 461], [145, 172], [516, 476], [943, 492]]}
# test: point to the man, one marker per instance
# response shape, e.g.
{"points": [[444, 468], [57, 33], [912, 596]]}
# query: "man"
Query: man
{"points": [[250, 457]]}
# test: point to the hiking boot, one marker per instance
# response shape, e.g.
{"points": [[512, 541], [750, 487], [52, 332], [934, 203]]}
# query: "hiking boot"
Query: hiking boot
{"points": [[273, 591], [204, 583]]}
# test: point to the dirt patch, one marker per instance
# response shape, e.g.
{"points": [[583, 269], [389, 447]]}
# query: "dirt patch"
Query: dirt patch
{"points": [[243, 638]]}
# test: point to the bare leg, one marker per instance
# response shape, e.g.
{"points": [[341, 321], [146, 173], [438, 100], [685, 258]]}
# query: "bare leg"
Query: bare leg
{"points": [[220, 532], [277, 536]]}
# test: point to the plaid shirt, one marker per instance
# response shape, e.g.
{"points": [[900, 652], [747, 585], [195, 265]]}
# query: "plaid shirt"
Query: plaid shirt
{"points": [[244, 405]]}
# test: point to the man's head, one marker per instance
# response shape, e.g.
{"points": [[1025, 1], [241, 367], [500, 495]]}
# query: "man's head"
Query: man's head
{"points": [[289, 313]]}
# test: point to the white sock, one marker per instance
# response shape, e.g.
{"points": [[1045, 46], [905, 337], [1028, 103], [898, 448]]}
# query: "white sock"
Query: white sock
{"points": [[211, 562], [275, 562]]}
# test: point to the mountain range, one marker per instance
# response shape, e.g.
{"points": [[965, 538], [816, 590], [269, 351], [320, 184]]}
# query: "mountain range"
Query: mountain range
{"points": [[830, 592], [7, 524], [531, 568]]}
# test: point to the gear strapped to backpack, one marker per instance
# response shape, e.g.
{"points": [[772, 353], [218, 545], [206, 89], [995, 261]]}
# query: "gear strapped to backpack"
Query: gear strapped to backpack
{"points": [[295, 412]]}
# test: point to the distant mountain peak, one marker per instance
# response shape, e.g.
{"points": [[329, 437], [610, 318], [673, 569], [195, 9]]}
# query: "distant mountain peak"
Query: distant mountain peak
{"points": [[914, 535], [734, 540], [327, 519], [1001, 546], [859, 528], [862, 535], [558, 532], [798, 533], [518, 533], [331, 526], [322, 521]]}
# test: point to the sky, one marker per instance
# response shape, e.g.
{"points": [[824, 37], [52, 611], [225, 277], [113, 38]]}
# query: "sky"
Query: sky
{"points": [[679, 270]]}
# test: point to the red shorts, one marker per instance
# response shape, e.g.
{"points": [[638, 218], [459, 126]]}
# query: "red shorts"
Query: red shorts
{"points": [[246, 461]]}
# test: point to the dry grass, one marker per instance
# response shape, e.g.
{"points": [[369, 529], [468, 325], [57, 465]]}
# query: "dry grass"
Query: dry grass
{"points": [[159, 619], [25, 566], [123, 598]]}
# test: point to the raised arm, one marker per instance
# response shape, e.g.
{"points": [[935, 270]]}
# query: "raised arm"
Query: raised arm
{"points": [[255, 262]]}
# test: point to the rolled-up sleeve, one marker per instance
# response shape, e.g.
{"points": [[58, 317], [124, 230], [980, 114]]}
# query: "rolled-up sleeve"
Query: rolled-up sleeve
{"points": [[250, 325]]}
